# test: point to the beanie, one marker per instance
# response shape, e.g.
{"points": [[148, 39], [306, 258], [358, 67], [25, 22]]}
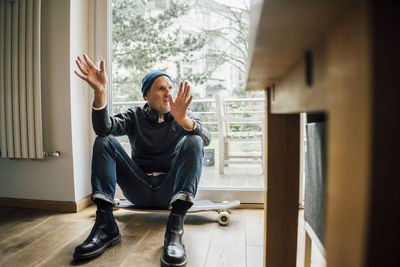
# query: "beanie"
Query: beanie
{"points": [[149, 78]]}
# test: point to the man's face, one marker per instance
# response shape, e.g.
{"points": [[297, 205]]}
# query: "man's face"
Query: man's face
{"points": [[157, 96]]}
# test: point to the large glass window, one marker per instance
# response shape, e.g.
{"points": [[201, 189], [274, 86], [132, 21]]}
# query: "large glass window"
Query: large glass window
{"points": [[205, 43]]}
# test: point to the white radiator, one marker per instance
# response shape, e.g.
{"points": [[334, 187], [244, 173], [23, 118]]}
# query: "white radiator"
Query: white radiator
{"points": [[20, 84]]}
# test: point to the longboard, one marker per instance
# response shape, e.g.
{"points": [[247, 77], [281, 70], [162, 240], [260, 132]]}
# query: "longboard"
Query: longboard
{"points": [[223, 208]]}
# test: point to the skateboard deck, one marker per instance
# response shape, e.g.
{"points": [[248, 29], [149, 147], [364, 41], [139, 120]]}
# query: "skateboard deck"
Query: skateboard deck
{"points": [[223, 208]]}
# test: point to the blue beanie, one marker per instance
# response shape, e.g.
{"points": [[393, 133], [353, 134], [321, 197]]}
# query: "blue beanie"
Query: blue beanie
{"points": [[149, 78]]}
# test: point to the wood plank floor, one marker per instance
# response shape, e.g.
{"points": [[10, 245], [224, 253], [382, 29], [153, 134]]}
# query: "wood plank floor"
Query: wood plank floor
{"points": [[31, 237]]}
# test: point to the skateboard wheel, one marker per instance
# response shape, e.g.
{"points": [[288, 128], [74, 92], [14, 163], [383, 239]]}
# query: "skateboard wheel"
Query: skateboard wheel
{"points": [[224, 218]]}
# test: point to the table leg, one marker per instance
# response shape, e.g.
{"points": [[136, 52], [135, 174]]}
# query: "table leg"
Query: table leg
{"points": [[282, 184]]}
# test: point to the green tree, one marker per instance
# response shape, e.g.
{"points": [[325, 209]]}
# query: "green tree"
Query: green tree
{"points": [[142, 36]]}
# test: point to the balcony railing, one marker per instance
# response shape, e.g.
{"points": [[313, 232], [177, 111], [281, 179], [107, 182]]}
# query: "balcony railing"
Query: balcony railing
{"points": [[206, 110]]}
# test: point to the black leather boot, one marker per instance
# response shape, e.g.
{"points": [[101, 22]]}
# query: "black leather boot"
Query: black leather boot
{"points": [[174, 253], [104, 234]]}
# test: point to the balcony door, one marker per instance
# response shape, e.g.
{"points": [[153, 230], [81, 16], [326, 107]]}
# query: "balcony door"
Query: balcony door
{"points": [[205, 45]]}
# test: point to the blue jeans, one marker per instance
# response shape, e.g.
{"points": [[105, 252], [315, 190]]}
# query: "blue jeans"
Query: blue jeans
{"points": [[111, 165]]}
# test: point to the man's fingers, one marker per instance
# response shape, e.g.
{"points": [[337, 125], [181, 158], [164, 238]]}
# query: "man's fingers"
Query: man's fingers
{"points": [[88, 61], [187, 91], [83, 77], [189, 101], [81, 67], [180, 90], [102, 67], [83, 63], [184, 93]]}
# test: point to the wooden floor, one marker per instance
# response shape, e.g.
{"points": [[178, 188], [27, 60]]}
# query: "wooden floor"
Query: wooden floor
{"points": [[41, 238]]}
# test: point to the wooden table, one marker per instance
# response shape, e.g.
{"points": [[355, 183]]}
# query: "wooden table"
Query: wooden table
{"points": [[340, 58]]}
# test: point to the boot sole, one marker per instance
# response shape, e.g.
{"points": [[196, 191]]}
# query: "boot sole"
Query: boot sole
{"points": [[166, 264], [98, 251]]}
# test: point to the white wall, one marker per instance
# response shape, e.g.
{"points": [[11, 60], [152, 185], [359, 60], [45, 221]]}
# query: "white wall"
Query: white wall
{"points": [[81, 95], [66, 111]]}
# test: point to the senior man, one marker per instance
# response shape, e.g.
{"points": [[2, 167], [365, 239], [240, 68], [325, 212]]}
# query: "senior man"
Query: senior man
{"points": [[165, 166]]}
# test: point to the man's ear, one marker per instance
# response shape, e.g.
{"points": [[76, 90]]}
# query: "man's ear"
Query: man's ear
{"points": [[146, 97]]}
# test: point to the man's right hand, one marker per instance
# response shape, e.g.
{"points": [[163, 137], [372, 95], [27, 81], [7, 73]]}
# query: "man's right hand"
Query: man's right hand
{"points": [[96, 78]]}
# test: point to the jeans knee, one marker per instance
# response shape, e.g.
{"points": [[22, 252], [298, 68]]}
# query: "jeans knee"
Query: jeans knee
{"points": [[102, 142], [193, 143]]}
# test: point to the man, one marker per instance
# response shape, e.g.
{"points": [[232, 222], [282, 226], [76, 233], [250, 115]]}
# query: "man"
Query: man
{"points": [[165, 167]]}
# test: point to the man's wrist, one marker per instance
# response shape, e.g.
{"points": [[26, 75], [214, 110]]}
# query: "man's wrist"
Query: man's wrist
{"points": [[100, 98], [99, 108], [188, 124]]}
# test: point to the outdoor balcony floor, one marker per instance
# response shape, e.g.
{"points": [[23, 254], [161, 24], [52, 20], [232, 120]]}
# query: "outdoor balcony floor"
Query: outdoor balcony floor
{"points": [[235, 176]]}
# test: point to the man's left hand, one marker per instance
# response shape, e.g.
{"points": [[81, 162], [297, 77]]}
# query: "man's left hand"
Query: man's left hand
{"points": [[180, 105]]}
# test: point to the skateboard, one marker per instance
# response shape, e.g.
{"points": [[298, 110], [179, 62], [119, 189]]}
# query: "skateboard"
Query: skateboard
{"points": [[222, 208]]}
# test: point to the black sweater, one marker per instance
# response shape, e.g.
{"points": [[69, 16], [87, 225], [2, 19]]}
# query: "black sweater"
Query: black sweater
{"points": [[152, 144]]}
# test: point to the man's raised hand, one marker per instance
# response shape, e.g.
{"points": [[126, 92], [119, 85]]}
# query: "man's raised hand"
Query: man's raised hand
{"points": [[180, 105], [96, 78]]}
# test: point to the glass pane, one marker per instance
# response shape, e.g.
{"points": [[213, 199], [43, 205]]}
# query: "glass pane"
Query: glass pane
{"points": [[204, 43]]}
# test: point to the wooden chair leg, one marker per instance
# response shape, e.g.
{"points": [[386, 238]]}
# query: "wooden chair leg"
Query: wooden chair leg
{"points": [[307, 251], [226, 153], [221, 156]]}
